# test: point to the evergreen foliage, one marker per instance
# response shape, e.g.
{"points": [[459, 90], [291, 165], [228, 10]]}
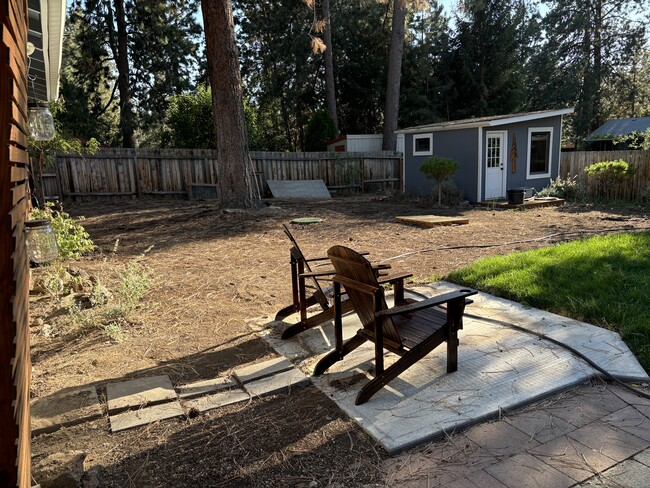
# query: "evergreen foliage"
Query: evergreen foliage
{"points": [[497, 57], [609, 174], [160, 44], [320, 129]]}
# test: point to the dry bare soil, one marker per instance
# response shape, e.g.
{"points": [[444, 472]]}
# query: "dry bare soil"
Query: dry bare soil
{"points": [[215, 270]]}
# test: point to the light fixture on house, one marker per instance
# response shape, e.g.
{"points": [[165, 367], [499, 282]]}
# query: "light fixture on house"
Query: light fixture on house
{"points": [[41, 122], [41, 243]]}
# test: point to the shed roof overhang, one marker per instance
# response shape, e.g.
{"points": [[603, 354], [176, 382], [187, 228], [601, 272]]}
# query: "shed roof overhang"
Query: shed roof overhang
{"points": [[46, 24], [492, 121]]}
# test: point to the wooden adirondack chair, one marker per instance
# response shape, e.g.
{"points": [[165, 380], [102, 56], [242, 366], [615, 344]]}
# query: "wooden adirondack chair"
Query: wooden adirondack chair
{"points": [[304, 280], [411, 329]]}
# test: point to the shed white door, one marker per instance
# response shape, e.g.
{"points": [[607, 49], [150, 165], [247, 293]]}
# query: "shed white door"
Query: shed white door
{"points": [[495, 165]]}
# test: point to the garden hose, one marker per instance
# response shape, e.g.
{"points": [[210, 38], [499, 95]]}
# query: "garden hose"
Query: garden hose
{"points": [[572, 350]]}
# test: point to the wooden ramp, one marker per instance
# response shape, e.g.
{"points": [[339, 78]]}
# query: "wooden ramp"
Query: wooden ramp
{"points": [[431, 220]]}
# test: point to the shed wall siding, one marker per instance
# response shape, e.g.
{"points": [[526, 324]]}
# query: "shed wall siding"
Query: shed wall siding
{"points": [[520, 133], [460, 145]]}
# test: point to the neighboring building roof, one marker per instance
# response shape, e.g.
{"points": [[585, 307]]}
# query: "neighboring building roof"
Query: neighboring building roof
{"points": [[619, 127], [494, 120], [46, 23]]}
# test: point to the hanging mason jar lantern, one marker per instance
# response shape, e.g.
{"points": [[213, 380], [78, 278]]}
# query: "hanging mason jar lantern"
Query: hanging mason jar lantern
{"points": [[41, 122], [41, 241]]}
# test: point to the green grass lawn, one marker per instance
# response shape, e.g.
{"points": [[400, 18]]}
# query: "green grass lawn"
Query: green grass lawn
{"points": [[601, 280]]}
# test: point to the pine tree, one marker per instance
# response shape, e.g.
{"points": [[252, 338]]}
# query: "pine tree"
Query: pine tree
{"points": [[144, 50], [588, 42], [237, 185], [489, 54]]}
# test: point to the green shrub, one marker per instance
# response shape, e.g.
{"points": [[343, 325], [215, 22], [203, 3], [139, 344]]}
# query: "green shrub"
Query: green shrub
{"points": [[439, 169], [568, 188], [72, 238], [608, 174], [319, 130]]}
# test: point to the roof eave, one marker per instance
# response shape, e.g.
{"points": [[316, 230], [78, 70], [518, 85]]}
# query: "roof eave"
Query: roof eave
{"points": [[486, 123]]}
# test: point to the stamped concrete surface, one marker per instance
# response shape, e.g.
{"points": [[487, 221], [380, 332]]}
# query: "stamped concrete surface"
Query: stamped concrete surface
{"points": [[499, 369], [568, 440]]}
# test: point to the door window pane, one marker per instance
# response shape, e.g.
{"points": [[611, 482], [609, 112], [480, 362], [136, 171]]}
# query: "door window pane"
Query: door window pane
{"points": [[493, 152]]}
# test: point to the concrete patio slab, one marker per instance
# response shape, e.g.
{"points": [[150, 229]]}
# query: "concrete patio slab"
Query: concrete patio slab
{"points": [[276, 383], [255, 371], [145, 416], [140, 392], [205, 387], [500, 369], [64, 409], [217, 400]]}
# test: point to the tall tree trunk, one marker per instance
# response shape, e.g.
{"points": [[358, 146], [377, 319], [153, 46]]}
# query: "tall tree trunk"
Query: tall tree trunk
{"points": [[598, 64], [237, 185], [330, 91], [391, 109], [126, 110]]}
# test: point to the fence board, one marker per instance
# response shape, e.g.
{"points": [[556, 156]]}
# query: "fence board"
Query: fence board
{"points": [[115, 172], [636, 188]]}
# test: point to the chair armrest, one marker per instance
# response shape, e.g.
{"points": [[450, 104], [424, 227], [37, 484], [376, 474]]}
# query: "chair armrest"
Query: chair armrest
{"points": [[392, 278], [328, 272], [429, 302], [317, 259]]}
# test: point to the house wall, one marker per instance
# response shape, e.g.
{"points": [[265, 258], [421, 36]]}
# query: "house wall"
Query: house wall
{"points": [[460, 145], [519, 131], [15, 365]]}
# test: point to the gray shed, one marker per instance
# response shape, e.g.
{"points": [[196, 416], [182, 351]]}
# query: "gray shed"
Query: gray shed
{"points": [[494, 154]]}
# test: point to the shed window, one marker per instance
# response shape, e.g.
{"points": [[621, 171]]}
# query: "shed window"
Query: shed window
{"points": [[540, 142], [423, 145]]}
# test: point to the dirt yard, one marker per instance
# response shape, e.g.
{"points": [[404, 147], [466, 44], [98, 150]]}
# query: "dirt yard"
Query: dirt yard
{"points": [[214, 271]]}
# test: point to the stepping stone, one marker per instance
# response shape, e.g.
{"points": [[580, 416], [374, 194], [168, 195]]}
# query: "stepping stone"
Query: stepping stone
{"points": [[146, 415], [65, 409], [276, 383], [139, 393], [205, 387], [255, 371], [221, 399]]}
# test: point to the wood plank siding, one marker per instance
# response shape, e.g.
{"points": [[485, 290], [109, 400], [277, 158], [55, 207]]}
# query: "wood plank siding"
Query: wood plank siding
{"points": [[15, 365], [133, 173]]}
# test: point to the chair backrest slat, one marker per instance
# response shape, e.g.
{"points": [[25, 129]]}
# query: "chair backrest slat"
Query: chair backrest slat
{"points": [[353, 266]]}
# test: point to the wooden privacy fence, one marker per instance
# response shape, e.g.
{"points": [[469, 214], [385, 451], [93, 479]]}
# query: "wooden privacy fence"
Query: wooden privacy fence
{"points": [[133, 173], [636, 188]]}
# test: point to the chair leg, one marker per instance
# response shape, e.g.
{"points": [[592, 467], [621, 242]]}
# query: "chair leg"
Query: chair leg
{"points": [[315, 320], [409, 359], [455, 310], [291, 309], [336, 355]]}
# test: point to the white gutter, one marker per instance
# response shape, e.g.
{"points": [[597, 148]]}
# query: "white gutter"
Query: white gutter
{"points": [[52, 27]]}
